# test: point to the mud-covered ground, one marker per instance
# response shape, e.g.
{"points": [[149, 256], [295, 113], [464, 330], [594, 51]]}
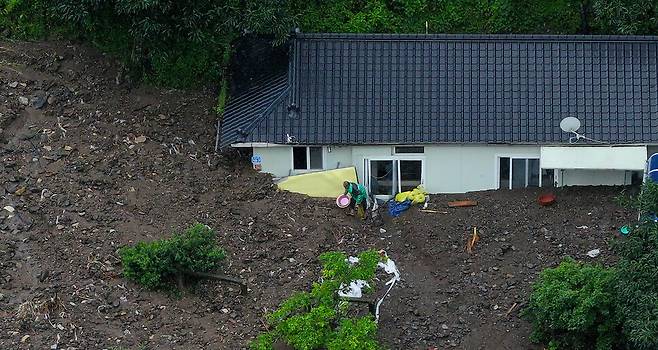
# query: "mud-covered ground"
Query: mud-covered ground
{"points": [[90, 164]]}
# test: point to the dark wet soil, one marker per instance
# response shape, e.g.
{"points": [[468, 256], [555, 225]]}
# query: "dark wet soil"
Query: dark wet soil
{"points": [[91, 163]]}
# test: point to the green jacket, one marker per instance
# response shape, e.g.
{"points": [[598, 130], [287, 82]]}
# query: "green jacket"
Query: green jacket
{"points": [[357, 191]]}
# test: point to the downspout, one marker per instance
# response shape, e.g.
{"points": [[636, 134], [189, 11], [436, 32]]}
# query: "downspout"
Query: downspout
{"points": [[293, 66], [224, 87]]}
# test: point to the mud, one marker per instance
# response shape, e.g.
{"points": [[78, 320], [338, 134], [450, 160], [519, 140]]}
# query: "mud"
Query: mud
{"points": [[91, 163]]}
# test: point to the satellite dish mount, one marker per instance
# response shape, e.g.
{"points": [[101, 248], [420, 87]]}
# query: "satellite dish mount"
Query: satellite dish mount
{"points": [[571, 125]]}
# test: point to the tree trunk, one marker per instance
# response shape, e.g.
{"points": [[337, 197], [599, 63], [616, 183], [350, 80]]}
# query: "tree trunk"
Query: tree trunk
{"points": [[220, 277]]}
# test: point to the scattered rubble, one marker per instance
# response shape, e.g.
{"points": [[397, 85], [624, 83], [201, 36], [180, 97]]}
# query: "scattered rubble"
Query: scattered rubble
{"points": [[82, 179]]}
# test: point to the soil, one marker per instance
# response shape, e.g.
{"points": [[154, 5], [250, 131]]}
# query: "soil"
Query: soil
{"points": [[91, 164]]}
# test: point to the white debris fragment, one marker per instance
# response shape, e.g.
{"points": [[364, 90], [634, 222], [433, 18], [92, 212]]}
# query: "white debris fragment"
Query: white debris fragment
{"points": [[354, 290], [594, 253]]}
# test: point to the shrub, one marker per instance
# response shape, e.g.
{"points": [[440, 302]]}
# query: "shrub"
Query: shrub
{"points": [[157, 264], [572, 307], [636, 287], [23, 19], [319, 319]]}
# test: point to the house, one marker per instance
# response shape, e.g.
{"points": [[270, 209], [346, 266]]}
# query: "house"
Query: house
{"points": [[456, 113]]}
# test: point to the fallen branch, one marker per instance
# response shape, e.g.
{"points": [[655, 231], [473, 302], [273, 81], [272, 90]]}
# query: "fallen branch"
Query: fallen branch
{"points": [[372, 308], [218, 277], [510, 309]]}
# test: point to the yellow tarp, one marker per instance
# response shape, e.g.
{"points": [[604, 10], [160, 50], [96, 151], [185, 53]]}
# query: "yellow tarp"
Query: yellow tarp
{"points": [[327, 183]]}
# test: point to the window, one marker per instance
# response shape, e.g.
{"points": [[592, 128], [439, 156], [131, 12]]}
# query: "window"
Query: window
{"points": [[306, 158], [408, 149], [411, 172], [523, 172], [386, 177], [504, 173]]}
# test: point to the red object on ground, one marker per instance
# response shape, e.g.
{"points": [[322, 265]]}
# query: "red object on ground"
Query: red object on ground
{"points": [[546, 199]]}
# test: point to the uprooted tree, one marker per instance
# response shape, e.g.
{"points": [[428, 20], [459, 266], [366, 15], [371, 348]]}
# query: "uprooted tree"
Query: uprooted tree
{"points": [[321, 319], [161, 264]]}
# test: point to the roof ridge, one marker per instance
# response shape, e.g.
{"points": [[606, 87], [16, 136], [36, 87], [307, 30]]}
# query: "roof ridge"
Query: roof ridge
{"points": [[474, 37]]}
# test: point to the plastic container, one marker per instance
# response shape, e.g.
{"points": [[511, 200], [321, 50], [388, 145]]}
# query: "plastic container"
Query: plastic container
{"points": [[343, 201], [546, 199]]}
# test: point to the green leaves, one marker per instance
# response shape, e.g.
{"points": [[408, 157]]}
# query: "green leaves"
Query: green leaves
{"points": [[575, 302], [155, 264], [627, 16], [636, 287], [573, 307], [319, 319]]}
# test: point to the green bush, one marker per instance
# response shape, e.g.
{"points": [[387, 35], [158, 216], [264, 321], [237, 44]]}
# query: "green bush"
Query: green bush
{"points": [[319, 319], [157, 264], [23, 19], [636, 287], [572, 307]]}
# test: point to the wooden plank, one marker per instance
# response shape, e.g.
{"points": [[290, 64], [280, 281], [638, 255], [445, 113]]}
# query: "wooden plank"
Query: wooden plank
{"points": [[465, 203]]}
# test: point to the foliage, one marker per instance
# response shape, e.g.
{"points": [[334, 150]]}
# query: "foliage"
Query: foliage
{"points": [[627, 16], [22, 19], [169, 42], [183, 44], [572, 307], [156, 264], [636, 288], [319, 319]]}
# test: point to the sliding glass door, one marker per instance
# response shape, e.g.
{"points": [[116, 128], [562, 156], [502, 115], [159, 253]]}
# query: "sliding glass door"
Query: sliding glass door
{"points": [[386, 177], [522, 172]]}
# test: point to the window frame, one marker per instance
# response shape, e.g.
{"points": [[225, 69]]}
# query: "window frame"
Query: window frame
{"points": [[511, 166], [395, 152], [308, 168], [397, 186]]}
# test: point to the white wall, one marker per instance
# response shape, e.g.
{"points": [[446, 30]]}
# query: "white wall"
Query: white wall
{"points": [[580, 177], [337, 157], [277, 160], [594, 157], [448, 168], [458, 169], [452, 168]]}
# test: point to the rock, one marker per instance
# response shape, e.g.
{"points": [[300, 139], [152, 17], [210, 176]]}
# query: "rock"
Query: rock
{"points": [[25, 338], [140, 139], [594, 253], [444, 327], [382, 231], [23, 100], [38, 102], [13, 84], [9, 208]]}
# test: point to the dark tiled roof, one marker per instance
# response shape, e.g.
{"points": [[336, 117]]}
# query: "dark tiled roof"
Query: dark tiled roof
{"points": [[418, 89], [244, 112]]}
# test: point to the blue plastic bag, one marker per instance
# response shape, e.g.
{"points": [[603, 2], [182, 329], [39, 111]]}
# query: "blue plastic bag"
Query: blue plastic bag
{"points": [[395, 208]]}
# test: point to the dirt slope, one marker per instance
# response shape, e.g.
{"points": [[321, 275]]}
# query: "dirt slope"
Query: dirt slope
{"points": [[90, 164]]}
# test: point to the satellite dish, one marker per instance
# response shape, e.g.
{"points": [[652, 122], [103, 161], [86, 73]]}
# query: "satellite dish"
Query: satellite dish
{"points": [[570, 124]]}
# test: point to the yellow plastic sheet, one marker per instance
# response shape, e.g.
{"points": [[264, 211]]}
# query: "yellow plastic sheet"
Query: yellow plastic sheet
{"points": [[416, 196], [327, 183]]}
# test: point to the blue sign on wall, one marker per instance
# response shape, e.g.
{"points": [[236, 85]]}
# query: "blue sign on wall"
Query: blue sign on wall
{"points": [[256, 159]]}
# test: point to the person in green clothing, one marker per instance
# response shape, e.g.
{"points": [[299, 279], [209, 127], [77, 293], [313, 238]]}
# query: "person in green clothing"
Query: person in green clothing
{"points": [[359, 196]]}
